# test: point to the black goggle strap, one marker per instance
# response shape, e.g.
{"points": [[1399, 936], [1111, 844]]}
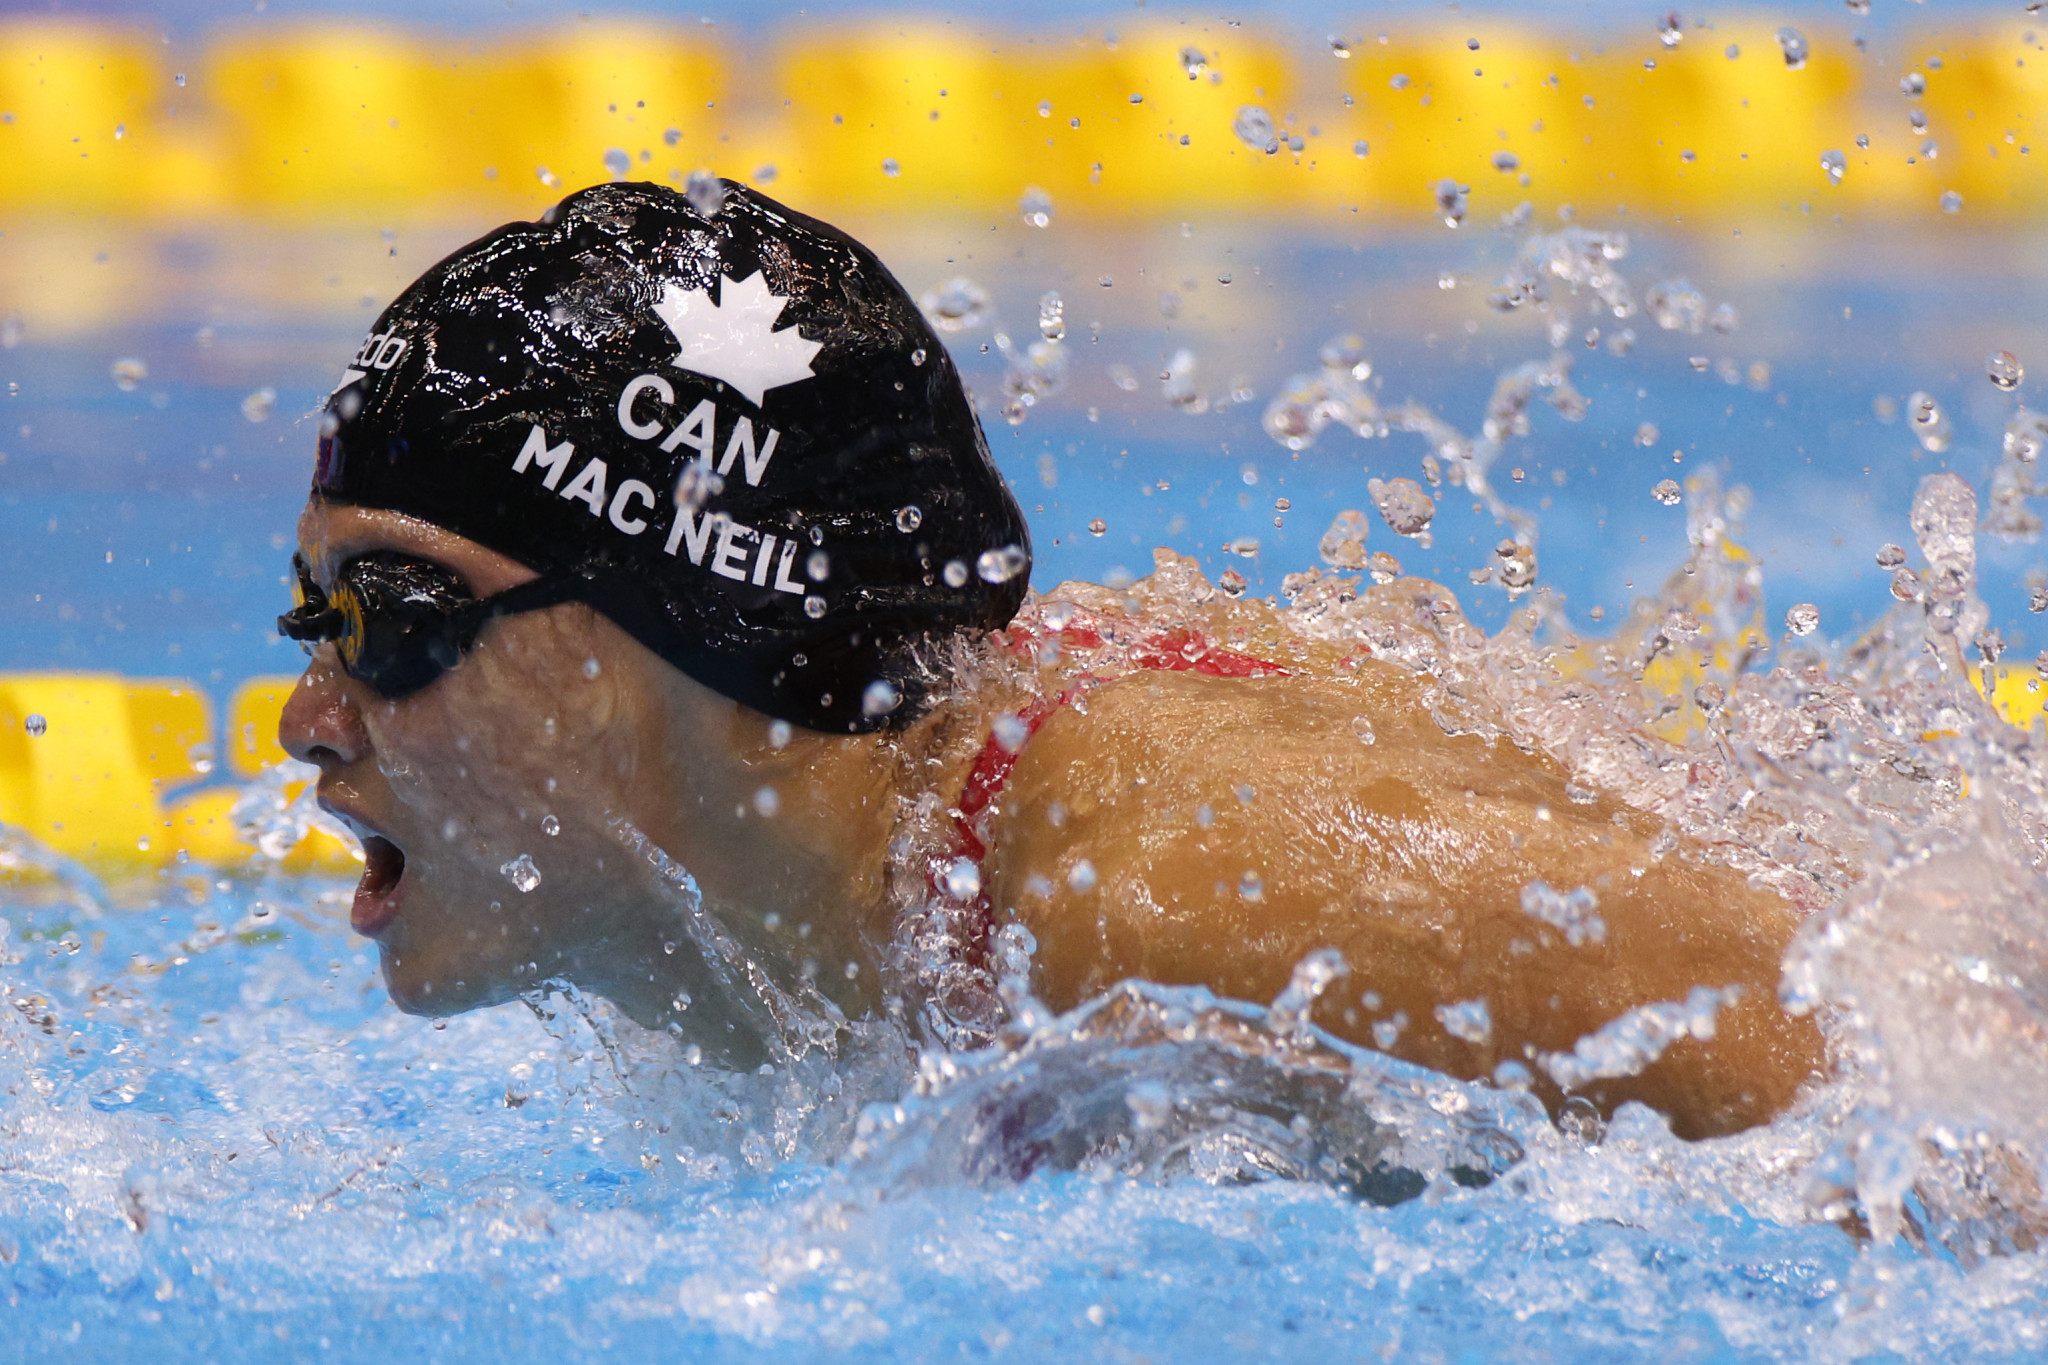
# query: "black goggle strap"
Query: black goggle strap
{"points": [[532, 595]]}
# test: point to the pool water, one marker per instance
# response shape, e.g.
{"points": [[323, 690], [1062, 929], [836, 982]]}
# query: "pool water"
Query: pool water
{"points": [[218, 1141]]}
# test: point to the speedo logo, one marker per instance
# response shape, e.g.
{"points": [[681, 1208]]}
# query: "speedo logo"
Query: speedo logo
{"points": [[711, 540], [379, 351]]}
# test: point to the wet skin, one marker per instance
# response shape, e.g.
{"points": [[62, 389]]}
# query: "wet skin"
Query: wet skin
{"points": [[1236, 825], [559, 713], [1407, 855]]}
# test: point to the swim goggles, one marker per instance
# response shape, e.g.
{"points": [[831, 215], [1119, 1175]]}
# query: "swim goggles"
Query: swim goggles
{"points": [[398, 622]]}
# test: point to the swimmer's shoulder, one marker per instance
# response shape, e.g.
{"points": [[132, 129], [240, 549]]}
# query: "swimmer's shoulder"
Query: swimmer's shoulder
{"points": [[1170, 815]]}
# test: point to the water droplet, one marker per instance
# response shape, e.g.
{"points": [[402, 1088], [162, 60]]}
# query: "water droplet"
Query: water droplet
{"points": [[128, 371], [1387, 1032], [961, 880], [1192, 60], [617, 163], [259, 405], [955, 573], [1052, 315], [1251, 886], [1231, 583], [1506, 161], [880, 698], [1709, 697], [2026, 436], [179, 79], [909, 518], [780, 732], [1097, 526], [2004, 370], [890, 167], [956, 305], [1469, 1020], [817, 566], [1451, 202], [706, 193], [1035, 207], [1677, 306], [591, 667], [1518, 566], [1383, 567], [698, 484], [1891, 556], [1081, 877], [36, 726], [1646, 434], [1244, 547], [1834, 163], [1009, 731], [2038, 603], [1254, 128], [814, 607], [521, 872], [1339, 48], [1362, 727], [1930, 424], [1913, 85], [1001, 564], [1671, 30], [550, 826], [1792, 43], [1045, 108], [1951, 202], [1667, 492], [1343, 545], [1579, 1120], [1404, 504], [1344, 356], [767, 801], [1360, 148], [1802, 619]]}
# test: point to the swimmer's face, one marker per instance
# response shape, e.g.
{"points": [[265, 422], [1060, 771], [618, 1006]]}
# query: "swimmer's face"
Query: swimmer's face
{"points": [[522, 750]]}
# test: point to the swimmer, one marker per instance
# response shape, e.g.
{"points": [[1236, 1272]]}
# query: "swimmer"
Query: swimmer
{"points": [[670, 638]]}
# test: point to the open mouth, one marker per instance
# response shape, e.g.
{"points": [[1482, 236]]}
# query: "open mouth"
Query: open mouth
{"points": [[378, 894]]}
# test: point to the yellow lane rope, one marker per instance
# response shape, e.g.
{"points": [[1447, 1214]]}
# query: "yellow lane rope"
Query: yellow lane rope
{"points": [[331, 122]]}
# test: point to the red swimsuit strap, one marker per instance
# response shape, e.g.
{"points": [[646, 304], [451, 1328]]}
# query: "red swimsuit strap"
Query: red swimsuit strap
{"points": [[1178, 650]]}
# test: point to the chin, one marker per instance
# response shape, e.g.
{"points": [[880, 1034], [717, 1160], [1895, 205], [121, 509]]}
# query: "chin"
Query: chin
{"points": [[425, 978]]}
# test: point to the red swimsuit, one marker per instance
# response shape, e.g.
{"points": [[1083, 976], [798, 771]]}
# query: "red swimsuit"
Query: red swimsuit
{"points": [[1178, 650]]}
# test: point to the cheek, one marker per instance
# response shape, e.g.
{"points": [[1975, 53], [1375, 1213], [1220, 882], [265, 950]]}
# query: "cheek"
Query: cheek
{"points": [[516, 735]]}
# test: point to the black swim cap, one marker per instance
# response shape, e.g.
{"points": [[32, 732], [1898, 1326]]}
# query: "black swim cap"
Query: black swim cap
{"points": [[734, 425]]}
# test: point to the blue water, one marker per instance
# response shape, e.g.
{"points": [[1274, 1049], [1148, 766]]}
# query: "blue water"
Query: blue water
{"points": [[249, 1156]]}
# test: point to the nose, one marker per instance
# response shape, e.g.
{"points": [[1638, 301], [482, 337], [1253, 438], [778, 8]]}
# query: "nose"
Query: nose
{"points": [[320, 723]]}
